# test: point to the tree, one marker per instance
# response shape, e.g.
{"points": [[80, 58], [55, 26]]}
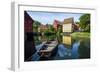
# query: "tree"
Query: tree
{"points": [[36, 24], [77, 22], [60, 29], [51, 28], [85, 22]]}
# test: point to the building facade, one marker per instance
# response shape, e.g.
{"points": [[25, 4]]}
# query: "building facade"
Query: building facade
{"points": [[67, 25], [28, 22], [56, 24], [29, 45]]}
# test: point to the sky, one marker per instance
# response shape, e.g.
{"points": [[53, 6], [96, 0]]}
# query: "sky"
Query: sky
{"points": [[49, 17]]}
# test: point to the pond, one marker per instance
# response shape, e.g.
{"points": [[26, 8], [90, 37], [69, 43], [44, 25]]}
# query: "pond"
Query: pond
{"points": [[68, 47]]}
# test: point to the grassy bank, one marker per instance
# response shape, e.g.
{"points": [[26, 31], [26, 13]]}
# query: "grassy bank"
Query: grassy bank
{"points": [[81, 34]]}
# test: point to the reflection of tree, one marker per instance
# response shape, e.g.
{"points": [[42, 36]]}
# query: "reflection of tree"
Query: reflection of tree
{"points": [[84, 49], [59, 38], [50, 37], [37, 40], [29, 45]]}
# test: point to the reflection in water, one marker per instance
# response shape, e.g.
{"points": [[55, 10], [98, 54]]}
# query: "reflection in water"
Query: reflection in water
{"points": [[62, 51], [75, 48], [84, 49], [68, 47], [68, 53], [67, 40]]}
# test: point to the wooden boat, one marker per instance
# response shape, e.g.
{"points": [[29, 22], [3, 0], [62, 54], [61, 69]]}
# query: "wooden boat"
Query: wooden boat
{"points": [[48, 49]]}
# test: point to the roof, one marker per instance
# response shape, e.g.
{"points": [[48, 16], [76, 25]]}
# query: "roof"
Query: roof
{"points": [[28, 16], [68, 20]]}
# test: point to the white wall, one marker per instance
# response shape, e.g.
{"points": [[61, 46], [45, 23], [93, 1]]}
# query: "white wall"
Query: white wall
{"points": [[67, 27], [5, 34]]}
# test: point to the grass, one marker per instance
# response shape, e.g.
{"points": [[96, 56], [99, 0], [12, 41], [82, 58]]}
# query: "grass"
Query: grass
{"points": [[81, 34]]}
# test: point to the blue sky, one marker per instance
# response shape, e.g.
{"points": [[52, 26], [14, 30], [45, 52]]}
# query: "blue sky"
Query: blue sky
{"points": [[49, 17]]}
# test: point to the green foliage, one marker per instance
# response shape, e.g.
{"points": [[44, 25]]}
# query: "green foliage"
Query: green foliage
{"points": [[60, 29], [84, 49], [48, 32], [51, 28], [85, 22], [36, 24], [81, 34], [77, 22]]}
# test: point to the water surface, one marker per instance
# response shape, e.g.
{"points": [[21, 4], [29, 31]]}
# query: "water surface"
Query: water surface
{"points": [[68, 47]]}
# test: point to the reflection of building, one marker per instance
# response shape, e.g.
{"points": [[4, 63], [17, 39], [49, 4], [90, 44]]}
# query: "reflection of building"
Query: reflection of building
{"points": [[67, 41], [67, 25]]}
